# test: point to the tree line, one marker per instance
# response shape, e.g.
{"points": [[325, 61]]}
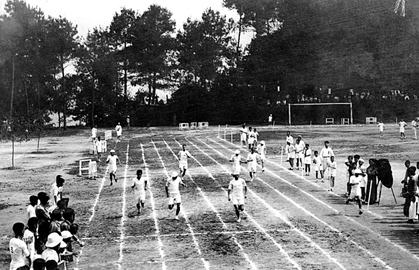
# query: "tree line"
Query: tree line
{"points": [[301, 51]]}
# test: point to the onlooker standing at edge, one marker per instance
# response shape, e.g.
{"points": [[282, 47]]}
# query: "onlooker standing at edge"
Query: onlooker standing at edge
{"points": [[237, 192], [94, 133], [290, 150], [270, 118], [332, 172], [56, 192], [402, 125], [243, 136], [289, 138], [414, 129], [325, 155], [412, 195], [33, 201], [318, 167], [363, 183], [17, 247], [381, 127], [128, 122], [307, 159]]}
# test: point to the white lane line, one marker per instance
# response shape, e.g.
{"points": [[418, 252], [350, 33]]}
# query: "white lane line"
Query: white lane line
{"points": [[351, 219], [116, 239], [153, 207], [285, 219], [263, 230], [377, 259], [244, 254], [78, 258], [124, 212], [204, 262]]}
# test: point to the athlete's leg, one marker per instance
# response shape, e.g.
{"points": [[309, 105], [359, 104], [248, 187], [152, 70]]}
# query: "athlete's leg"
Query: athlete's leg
{"points": [[177, 209]]}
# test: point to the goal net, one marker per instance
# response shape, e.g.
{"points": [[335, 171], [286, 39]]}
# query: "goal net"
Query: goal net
{"points": [[320, 113]]}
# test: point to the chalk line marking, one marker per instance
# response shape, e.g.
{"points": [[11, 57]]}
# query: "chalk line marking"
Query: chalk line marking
{"points": [[285, 219], [244, 254], [316, 218], [153, 207], [204, 262], [124, 212]]}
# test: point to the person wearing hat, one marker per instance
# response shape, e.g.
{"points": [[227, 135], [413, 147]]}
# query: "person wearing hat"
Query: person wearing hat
{"points": [[53, 245], [252, 163], [262, 154], [18, 248], [237, 192], [236, 158], [355, 181], [173, 193], [183, 156], [139, 185], [56, 192], [112, 159]]}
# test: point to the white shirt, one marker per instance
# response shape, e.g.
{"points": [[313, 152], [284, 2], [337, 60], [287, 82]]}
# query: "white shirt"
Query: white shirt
{"points": [[138, 184], [99, 147], [290, 150], [332, 168], [252, 159], [326, 152], [251, 137], [50, 254], [236, 163], [55, 191], [94, 132], [18, 251], [112, 161], [31, 211], [173, 185], [270, 118], [118, 129], [262, 150], [29, 239], [290, 139], [402, 124], [299, 147], [381, 126], [414, 125], [183, 156], [237, 187]]}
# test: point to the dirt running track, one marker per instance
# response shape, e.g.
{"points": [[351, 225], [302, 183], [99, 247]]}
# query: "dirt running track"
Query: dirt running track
{"points": [[290, 222]]}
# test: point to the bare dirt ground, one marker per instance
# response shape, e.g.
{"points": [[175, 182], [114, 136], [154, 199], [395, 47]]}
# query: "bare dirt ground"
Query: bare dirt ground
{"points": [[290, 222]]}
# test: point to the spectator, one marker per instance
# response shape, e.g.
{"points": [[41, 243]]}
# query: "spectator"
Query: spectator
{"points": [[412, 195], [33, 201], [29, 236], [43, 220], [54, 243], [51, 265], [56, 191], [68, 224], [39, 264], [56, 219], [17, 247], [372, 182]]}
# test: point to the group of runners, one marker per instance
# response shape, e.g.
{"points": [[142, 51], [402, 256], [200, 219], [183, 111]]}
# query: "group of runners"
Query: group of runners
{"points": [[402, 128]]}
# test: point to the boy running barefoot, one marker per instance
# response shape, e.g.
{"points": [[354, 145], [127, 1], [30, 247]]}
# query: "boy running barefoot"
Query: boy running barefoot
{"points": [[237, 192], [112, 159], [332, 170], [140, 186], [262, 154], [252, 161], [236, 159], [183, 160], [173, 193], [356, 189], [307, 160]]}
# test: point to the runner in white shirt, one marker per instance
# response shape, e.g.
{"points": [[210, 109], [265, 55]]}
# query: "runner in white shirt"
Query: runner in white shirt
{"points": [[243, 136], [325, 155], [332, 172], [112, 159], [252, 163], [173, 193], [381, 127], [236, 159], [307, 159], [402, 125], [262, 154], [256, 134], [118, 129], [356, 189], [139, 185], [183, 156], [299, 152], [17, 247], [289, 139], [94, 133], [237, 192], [250, 138], [29, 236], [99, 147]]}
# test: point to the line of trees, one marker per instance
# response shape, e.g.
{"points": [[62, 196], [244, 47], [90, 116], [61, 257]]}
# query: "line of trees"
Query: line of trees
{"points": [[300, 48]]}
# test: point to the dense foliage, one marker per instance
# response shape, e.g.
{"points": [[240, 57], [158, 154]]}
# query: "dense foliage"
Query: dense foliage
{"points": [[302, 51]]}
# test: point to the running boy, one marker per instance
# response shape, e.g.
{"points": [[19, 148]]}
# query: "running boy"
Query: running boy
{"points": [[252, 161], [236, 159], [262, 154], [243, 136], [356, 189], [112, 159], [173, 193], [140, 186], [250, 138], [307, 160], [381, 127], [332, 171], [183, 156], [118, 130], [237, 192]]}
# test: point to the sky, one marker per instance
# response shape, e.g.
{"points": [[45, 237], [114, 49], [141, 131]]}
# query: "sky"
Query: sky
{"points": [[87, 14]]}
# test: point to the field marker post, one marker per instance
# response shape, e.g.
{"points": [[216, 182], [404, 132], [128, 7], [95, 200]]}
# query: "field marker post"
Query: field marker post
{"points": [[282, 148], [394, 196], [369, 196], [225, 131]]}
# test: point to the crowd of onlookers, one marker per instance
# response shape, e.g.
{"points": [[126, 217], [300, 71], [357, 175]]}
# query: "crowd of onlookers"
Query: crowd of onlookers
{"points": [[46, 241]]}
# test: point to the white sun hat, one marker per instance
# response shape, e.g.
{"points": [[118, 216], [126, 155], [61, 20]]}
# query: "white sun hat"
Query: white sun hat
{"points": [[54, 239], [174, 174], [237, 152]]}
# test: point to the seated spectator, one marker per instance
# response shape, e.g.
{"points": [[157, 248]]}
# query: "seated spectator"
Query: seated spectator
{"points": [[69, 217], [53, 244], [33, 201], [38, 264], [51, 265], [43, 220], [17, 247], [29, 236], [74, 229]]}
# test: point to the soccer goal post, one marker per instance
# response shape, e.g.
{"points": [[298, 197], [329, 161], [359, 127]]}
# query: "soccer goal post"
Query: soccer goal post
{"points": [[345, 104]]}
